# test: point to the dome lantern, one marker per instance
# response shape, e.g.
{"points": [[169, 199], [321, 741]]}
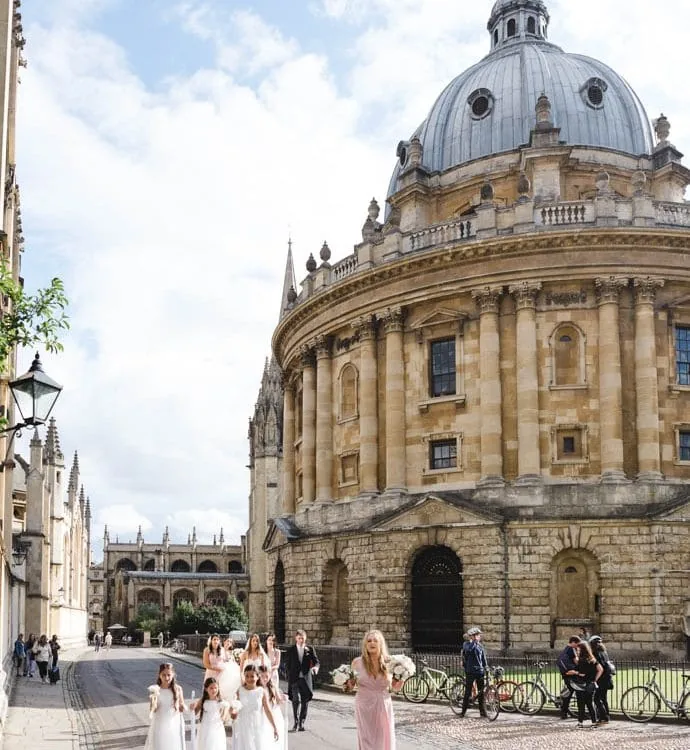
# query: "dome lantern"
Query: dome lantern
{"points": [[517, 20]]}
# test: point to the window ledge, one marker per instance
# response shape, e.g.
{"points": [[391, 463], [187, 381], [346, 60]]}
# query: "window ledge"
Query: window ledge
{"points": [[351, 418], [457, 399], [437, 472], [573, 387], [678, 462], [570, 461], [353, 483], [678, 388]]}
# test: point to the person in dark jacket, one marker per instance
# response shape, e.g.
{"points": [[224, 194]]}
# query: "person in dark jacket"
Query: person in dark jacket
{"points": [[567, 666], [301, 662], [476, 666], [605, 681], [589, 672]]}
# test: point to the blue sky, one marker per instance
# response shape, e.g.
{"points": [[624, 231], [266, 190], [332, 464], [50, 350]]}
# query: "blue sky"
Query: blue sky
{"points": [[165, 150]]}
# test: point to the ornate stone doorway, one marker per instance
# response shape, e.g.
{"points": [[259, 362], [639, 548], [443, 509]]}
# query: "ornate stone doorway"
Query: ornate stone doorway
{"points": [[279, 603], [436, 601], [575, 594]]}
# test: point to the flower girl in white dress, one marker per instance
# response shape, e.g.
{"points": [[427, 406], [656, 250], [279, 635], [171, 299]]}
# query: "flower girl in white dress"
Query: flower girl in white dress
{"points": [[277, 702], [166, 704], [212, 713], [249, 731]]}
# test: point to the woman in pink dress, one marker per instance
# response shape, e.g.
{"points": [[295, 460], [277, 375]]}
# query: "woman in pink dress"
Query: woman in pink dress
{"points": [[213, 658], [373, 704]]}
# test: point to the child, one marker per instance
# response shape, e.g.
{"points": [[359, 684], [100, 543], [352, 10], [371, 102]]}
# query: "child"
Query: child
{"points": [[212, 713], [166, 704], [276, 703], [249, 731]]}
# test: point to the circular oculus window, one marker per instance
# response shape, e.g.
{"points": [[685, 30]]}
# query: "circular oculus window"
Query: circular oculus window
{"points": [[593, 93], [481, 103]]}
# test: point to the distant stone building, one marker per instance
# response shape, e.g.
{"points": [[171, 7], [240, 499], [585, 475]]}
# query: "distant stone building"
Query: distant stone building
{"points": [[167, 573], [486, 407], [96, 597], [52, 523]]}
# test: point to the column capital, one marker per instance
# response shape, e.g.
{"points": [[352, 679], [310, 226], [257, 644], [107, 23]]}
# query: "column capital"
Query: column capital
{"points": [[487, 298], [608, 288], [525, 294], [307, 356], [365, 327], [322, 346], [393, 319], [645, 288]]}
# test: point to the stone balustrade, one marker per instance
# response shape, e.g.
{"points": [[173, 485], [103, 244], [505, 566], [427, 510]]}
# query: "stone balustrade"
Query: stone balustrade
{"points": [[672, 214], [440, 234]]}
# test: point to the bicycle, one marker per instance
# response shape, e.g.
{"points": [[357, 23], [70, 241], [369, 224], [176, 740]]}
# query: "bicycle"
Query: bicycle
{"points": [[534, 693], [177, 645], [492, 699], [417, 687], [643, 702]]}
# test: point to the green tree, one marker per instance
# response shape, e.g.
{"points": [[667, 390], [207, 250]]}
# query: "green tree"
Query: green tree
{"points": [[207, 618], [149, 618]]}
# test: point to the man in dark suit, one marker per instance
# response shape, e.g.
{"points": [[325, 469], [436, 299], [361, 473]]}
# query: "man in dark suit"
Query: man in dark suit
{"points": [[301, 662]]}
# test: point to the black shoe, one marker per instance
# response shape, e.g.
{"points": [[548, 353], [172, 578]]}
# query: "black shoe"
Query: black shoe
{"points": [[301, 727]]}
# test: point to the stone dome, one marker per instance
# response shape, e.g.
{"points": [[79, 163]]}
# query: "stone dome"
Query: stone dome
{"points": [[490, 108]]}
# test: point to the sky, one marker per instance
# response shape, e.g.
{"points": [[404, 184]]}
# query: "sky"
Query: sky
{"points": [[167, 150]]}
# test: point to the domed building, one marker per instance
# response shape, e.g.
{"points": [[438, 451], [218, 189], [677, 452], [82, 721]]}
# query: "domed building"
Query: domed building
{"points": [[486, 407]]}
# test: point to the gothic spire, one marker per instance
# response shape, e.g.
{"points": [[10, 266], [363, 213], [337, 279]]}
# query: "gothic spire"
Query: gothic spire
{"points": [[74, 474], [221, 538], [166, 536], [51, 440], [289, 284], [82, 497]]}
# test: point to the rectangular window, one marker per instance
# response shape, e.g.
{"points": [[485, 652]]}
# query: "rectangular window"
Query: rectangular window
{"points": [[443, 454], [442, 368], [348, 466], [683, 355], [569, 445], [684, 446]]}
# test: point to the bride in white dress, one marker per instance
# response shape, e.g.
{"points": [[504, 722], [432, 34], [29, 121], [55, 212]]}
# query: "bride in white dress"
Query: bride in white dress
{"points": [[229, 678], [166, 703], [212, 713]]}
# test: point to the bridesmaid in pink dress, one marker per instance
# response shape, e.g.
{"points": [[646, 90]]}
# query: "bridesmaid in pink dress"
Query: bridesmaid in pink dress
{"points": [[213, 658], [373, 704]]}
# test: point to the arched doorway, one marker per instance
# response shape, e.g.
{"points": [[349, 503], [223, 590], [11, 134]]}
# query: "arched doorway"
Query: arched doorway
{"points": [[279, 603], [336, 601], [575, 593], [436, 598]]}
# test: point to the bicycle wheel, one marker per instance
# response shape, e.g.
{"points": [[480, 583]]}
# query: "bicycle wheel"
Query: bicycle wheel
{"points": [[684, 708], [531, 698], [492, 703], [640, 704], [506, 691], [451, 681], [455, 696], [415, 689]]}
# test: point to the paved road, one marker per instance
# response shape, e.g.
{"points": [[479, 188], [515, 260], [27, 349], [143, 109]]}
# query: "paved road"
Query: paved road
{"points": [[113, 689]]}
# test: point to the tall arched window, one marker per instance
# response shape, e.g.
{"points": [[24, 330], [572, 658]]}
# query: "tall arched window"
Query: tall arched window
{"points": [[348, 392], [531, 25], [125, 564], [217, 597], [150, 564], [234, 566], [207, 566], [436, 598], [512, 27], [183, 595], [148, 596], [279, 602], [180, 566]]}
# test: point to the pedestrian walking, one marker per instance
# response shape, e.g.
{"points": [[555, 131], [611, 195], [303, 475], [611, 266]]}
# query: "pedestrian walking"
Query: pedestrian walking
{"points": [[567, 666], [160, 639], [230, 678], [54, 651], [273, 653], [19, 654], [43, 656], [212, 712], [30, 662], [585, 683], [301, 663], [108, 640], [605, 681], [166, 704], [373, 705], [249, 729], [276, 701], [476, 667], [97, 642]]}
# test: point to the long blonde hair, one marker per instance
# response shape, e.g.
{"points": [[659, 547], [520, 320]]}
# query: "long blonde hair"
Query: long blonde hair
{"points": [[369, 664]]}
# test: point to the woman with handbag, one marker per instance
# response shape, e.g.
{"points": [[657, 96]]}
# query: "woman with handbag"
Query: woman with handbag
{"points": [[585, 683], [605, 682]]}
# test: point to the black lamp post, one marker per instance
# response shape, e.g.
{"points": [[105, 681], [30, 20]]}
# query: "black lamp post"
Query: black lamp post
{"points": [[35, 395]]}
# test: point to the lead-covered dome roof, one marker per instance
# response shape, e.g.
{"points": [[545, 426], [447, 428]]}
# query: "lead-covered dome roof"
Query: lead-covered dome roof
{"points": [[489, 109]]}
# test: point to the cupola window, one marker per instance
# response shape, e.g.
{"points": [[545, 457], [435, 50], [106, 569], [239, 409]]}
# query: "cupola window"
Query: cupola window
{"points": [[481, 103], [512, 27], [531, 26], [593, 93], [496, 37]]}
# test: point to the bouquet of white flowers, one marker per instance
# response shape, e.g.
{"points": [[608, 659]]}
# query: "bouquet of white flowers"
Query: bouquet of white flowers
{"points": [[343, 677], [401, 667], [154, 692], [237, 653]]}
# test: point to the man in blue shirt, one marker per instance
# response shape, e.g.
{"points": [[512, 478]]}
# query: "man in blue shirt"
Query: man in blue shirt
{"points": [[19, 654], [567, 666], [476, 667]]}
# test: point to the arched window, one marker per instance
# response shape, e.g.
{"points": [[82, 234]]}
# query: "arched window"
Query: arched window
{"points": [[512, 27], [241, 597], [568, 356], [150, 564], [180, 566], [531, 25], [148, 596], [217, 598], [495, 37], [348, 392], [207, 566], [234, 566], [183, 595], [436, 598], [278, 602], [125, 564]]}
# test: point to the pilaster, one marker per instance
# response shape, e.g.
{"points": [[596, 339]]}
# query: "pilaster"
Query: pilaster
{"points": [[393, 324], [308, 425], [324, 420], [368, 405], [288, 446]]}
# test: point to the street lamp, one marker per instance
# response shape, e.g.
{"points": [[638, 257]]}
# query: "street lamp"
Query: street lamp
{"points": [[35, 395]]}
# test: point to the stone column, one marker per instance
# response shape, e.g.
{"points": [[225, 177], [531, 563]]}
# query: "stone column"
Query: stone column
{"points": [[395, 400], [491, 436], [368, 406], [610, 383], [288, 446], [308, 426], [324, 420], [529, 463], [646, 380]]}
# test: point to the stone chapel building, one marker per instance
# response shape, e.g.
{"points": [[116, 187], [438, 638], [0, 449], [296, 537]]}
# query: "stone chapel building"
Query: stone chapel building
{"points": [[482, 415]]}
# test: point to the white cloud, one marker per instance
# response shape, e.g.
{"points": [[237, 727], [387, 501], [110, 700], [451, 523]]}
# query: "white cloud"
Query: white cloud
{"points": [[121, 519]]}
